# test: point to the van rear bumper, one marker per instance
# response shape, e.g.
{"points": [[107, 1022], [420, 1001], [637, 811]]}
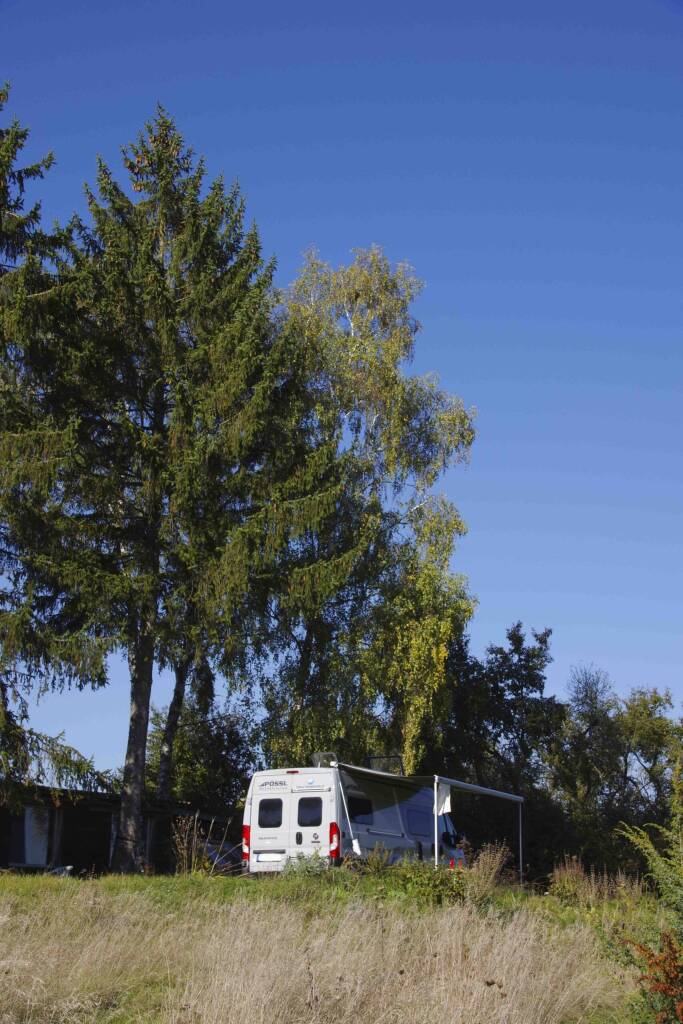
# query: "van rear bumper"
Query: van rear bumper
{"points": [[267, 860]]}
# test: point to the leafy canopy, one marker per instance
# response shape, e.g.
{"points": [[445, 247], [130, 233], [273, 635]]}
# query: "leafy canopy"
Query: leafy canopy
{"points": [[361, 665]]}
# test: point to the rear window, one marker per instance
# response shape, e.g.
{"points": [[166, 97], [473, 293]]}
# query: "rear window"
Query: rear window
{"points": [[420, 823], [310, 811], [360, 810], [270, 814]]}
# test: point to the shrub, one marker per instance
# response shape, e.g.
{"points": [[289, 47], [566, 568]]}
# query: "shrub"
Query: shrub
{"points": [[662, 980], [422, 882], [196, 850], [377, 861], [665, 862], [305, 867], [426, 884]]}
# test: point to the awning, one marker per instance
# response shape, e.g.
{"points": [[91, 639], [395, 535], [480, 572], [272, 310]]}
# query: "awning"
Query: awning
{"points": [[420, 781], [439, 784]]}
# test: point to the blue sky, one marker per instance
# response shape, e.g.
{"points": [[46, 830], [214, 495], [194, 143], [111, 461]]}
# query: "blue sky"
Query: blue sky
{"points": [[527, 159]]}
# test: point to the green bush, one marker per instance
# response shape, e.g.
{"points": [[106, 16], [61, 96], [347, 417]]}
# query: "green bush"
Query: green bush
{"points": [[420, 882], [426, 884], [665, 859], [661, 982], [305, 867]]}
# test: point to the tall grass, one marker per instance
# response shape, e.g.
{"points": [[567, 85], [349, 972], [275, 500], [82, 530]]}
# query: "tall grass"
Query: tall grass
{"points": [[571, 883], [484, 874], [87, 952]]}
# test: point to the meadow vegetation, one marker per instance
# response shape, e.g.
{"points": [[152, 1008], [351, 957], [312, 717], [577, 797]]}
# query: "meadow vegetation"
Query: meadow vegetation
{"points": [[389, 944]]}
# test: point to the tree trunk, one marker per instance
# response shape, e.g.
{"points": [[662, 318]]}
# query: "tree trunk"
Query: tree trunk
{"points": [[130, 845], [164, 776]]}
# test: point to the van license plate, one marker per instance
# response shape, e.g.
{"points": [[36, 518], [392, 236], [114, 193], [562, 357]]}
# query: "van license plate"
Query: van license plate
{"points": [[261, 857]]}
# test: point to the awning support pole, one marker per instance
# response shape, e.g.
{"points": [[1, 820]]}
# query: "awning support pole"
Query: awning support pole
{"points": [[346, 810], [521, 848], [436, 822]]}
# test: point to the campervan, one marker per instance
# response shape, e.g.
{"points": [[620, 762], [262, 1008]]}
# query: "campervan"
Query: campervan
{"points": [[337, 810]]}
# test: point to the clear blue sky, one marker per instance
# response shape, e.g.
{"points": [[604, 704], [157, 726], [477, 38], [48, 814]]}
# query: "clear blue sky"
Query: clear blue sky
{"points": [[527, 159]]}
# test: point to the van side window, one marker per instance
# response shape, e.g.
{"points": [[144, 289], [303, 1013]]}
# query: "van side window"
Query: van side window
{"points": [[310, 813], [270, 814], [420, 823], [360, 810]]}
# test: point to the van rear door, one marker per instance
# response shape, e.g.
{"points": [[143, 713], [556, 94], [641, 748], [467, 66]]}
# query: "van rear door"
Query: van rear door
{"points": [[270, 814], [312, 803]]}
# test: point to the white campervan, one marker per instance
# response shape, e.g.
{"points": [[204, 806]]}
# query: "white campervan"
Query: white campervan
{"points": [[337, 810]]}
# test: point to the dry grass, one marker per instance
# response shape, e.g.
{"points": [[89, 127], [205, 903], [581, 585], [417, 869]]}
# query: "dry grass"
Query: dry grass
{"points": [[571, 883], [484, 874], [83, 953]]}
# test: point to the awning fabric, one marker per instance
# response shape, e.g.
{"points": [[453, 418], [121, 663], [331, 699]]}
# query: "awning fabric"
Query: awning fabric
{"points": [[420, 781]]}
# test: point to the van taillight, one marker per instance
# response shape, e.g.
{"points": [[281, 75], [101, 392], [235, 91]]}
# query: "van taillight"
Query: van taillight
{"points": [[246, 839], [335, 841]]}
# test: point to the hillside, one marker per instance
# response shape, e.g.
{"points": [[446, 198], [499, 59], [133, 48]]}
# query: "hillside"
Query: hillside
{"points": [[386, 945]]}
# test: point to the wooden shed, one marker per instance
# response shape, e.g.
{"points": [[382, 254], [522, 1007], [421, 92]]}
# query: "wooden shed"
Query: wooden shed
{"points": [[77, 829]]}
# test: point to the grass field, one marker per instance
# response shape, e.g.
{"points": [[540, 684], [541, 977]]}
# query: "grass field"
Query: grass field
{"points": [[311, 947]]}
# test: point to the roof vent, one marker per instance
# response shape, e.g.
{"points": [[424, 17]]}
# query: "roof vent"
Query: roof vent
{"points": [[392, 763], [323, 758]]}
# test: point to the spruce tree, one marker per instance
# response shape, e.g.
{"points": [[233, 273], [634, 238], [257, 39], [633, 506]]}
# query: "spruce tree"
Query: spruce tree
{"points": [[19, 228], [27, 757], [166, 443]]}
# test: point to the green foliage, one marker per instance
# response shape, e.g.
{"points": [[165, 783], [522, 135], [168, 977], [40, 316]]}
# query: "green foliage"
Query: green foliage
{"points": [[491, 728], [376, 862], [29, 759], [19, 229], [664, 859], [413, 882], [423, 608], [166, 444], [426, 885], [496, 712], [304, 868], [583, 766], [610, 762], [359, 323], [662, 979], [213, 756], [361, 666]]}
